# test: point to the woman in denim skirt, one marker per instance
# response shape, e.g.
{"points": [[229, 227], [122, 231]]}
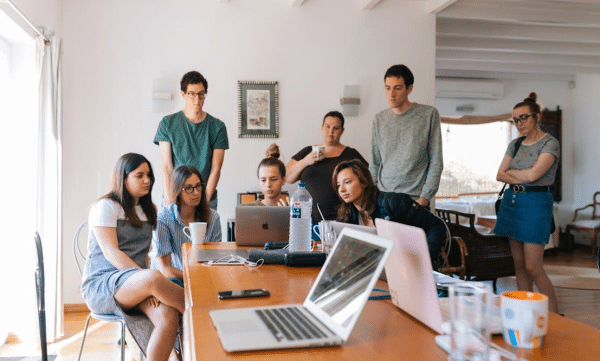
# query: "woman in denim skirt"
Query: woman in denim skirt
{"points": [[525, 214]]}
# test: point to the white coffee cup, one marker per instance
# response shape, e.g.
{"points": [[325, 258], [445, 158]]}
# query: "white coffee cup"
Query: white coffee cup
{"points": [[196, 232], [320, 149], [524, 318]]}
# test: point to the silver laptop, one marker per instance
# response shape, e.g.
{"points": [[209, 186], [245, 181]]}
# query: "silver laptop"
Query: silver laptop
{"points": [[330, 310], [411, 278], [255, 226], [221, 256]]}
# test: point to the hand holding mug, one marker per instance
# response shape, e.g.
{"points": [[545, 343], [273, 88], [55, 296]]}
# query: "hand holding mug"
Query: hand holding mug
{"points": [[319, 152]]}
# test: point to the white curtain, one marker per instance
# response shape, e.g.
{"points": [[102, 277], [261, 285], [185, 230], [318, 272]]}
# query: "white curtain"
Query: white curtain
{"points": [[49, 178]]}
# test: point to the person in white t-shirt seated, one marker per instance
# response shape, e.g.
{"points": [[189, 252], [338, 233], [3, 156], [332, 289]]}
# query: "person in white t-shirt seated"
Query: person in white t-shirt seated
{"points": [[116, 279]]}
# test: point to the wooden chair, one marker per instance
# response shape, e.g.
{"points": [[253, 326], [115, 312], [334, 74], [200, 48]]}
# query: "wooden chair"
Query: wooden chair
{"points": [[485, 257], [443, 259], [587, 225]]}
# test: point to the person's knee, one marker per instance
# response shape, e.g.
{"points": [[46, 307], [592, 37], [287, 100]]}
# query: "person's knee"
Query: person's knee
{"points": [[153, 277], [534, 269]]}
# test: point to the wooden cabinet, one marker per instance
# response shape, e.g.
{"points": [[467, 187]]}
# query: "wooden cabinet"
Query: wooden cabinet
{"points": [[552, 124]]}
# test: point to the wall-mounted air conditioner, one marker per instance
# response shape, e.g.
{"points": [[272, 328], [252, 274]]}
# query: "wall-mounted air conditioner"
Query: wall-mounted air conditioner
{"points": [[468, 89]]}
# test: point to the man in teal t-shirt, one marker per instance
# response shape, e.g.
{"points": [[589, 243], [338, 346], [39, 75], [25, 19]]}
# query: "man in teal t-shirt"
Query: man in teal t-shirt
{"points": [[192, 137]]}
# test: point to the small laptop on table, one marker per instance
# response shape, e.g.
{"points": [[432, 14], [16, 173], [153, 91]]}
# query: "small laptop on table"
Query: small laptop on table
{"points": [[328, 313], [255, 225], [411, 279]]}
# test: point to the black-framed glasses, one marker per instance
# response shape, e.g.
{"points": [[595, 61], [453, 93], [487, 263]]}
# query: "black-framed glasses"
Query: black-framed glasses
{"points": [[190, 189], [521, 118], [192, 95]]}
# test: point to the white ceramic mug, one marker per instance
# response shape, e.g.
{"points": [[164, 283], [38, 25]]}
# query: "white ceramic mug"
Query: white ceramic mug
{"points": [[320, 149], [196, 232], [524, 318]]}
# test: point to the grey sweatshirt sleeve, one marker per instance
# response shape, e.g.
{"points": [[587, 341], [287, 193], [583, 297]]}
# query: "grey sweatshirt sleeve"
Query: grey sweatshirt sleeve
{"points": [[436, 160], [375, 155]]}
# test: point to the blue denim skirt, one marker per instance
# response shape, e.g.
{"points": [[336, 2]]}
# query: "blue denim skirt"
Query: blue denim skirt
{"points": [[525, 216]]}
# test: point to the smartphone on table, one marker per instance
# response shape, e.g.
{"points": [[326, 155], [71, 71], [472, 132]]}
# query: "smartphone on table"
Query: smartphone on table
{"points": [[257, 292]]}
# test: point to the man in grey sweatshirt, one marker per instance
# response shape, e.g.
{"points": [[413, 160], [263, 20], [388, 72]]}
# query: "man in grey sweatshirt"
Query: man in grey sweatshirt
{"points": [[406, 142]]}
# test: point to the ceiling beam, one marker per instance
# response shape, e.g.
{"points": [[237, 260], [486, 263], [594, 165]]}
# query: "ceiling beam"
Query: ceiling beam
{"points": [[578, 61], [435, 6], [482, 74], [494, 30], [511, 12], [517, 46], [512, 68], [296, 3], [368, 4]]}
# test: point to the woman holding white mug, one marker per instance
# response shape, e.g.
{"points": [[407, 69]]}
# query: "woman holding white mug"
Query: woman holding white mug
{"points": [[188, 191], [314, 167]]}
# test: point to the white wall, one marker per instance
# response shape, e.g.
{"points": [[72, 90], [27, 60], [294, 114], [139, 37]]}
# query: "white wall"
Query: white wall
{"points": [[586, 134], [114, 49]]}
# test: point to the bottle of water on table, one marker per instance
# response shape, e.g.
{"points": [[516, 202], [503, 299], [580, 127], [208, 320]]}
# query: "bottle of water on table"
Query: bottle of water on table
{"points": [[300, 220]]}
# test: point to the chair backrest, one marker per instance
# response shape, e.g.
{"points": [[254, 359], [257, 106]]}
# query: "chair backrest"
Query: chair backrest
{"points": [[40, 290], [77, 252], [457, 218]]}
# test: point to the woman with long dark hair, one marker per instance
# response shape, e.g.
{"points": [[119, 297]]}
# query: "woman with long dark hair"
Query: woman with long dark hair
{"points": [[191, 205], [362, 202], [115, 278], [525, 214]]}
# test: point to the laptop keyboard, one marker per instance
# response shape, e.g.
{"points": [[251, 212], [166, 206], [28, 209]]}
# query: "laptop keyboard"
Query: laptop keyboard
{"points": [[288, 323]]}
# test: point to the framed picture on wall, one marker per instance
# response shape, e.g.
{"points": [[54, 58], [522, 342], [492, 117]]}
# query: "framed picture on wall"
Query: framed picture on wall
{"points": [[258, 109]]}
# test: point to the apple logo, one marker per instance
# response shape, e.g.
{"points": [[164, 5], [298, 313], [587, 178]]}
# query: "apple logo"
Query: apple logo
{"points": [[265, 225]]}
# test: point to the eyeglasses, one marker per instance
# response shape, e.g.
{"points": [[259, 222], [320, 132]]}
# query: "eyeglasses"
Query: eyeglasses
{"points": [[192, 95], [521, 119], [190, 189]]}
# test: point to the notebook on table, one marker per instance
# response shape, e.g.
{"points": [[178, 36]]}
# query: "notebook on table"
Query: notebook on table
{"points": [[255, 226], [411, 278], [329, 312]]}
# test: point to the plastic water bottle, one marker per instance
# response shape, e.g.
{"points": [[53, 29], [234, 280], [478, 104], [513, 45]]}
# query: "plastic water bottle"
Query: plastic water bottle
{"points": [[300, 220]]}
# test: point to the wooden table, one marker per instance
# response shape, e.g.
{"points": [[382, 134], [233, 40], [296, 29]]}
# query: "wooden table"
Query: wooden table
{"points": [[383, 332], [487, 221]]}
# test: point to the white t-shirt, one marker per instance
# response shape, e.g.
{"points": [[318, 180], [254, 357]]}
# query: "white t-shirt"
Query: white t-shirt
{"points": [[106, 212]]}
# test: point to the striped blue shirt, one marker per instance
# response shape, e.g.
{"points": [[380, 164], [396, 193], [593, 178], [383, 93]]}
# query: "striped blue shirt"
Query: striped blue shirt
{"points": [[168, 238]]}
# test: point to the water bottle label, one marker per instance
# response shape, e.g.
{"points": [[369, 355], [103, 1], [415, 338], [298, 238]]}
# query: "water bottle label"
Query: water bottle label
{"points": [[297, 210]]}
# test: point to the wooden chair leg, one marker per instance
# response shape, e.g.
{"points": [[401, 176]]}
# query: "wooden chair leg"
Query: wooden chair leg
{"points": [[570, 239]]}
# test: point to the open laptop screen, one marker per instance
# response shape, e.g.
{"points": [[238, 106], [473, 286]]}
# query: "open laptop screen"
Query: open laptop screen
{"points": [[344, 284]]}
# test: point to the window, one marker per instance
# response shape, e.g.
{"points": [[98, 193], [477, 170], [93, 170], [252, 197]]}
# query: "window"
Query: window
{"points": [[472, 155]]}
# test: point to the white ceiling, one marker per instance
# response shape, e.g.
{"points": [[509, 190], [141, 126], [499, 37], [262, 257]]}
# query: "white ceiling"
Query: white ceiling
{"points": [[516, 39]]}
